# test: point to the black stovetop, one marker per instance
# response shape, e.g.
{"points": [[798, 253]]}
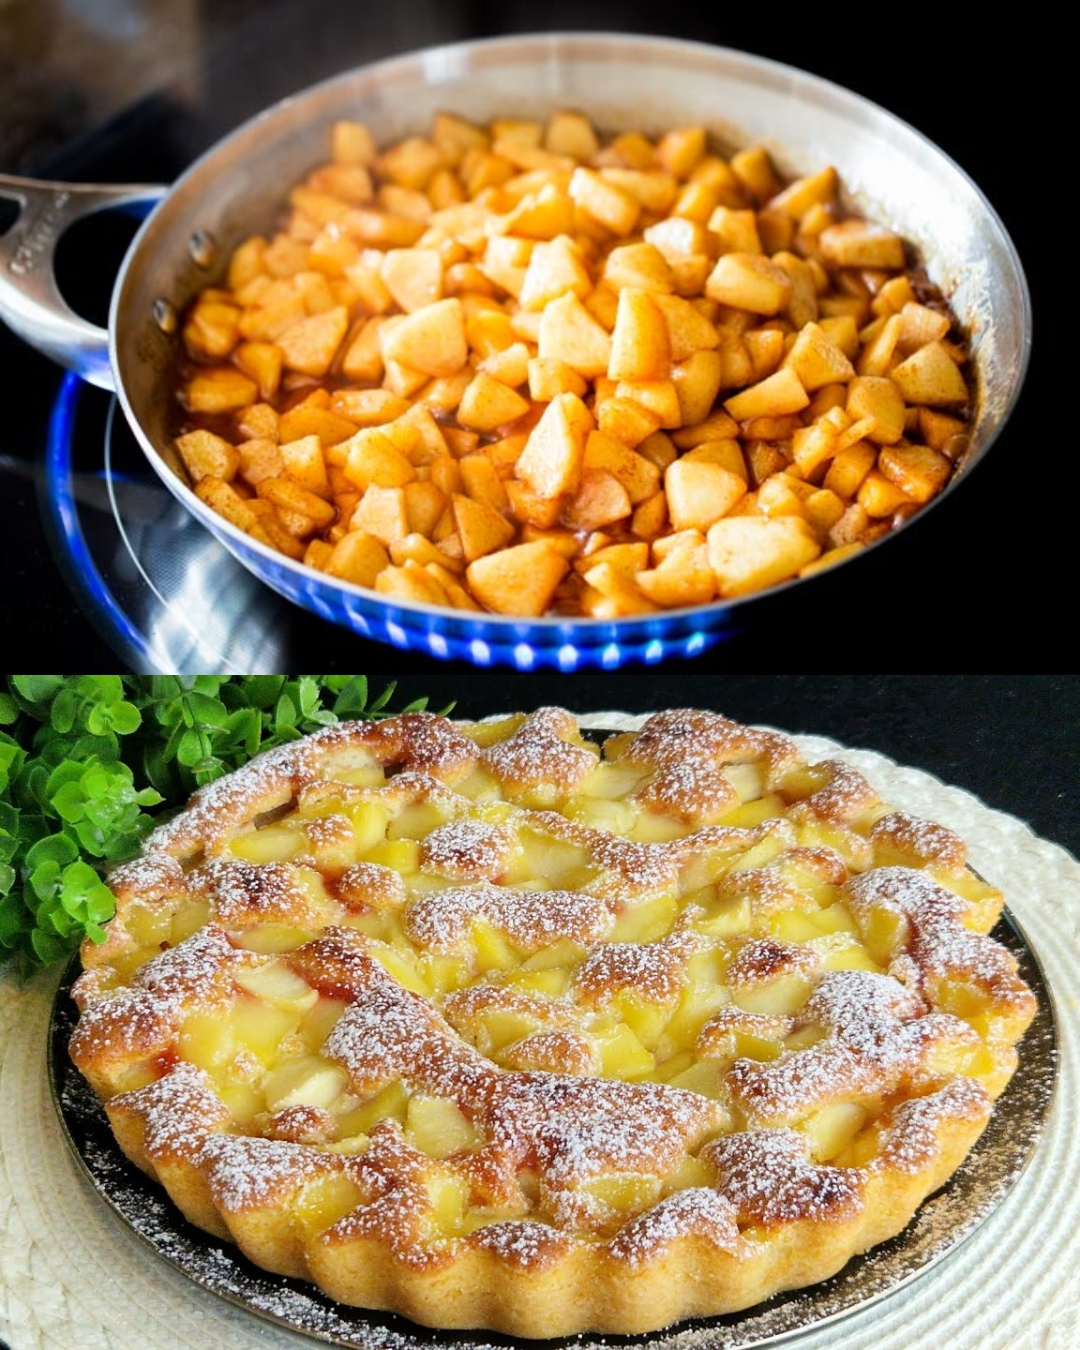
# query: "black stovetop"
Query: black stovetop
{"points": [[133, 91]]}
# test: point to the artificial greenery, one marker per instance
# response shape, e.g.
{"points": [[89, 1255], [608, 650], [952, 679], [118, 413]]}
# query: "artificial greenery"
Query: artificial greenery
{"points": [[88, 762]]}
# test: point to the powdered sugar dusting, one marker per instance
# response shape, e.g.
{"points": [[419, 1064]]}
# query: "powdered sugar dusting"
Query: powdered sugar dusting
{"points": [[422, 740], [539, 754], [687, 749], [846, 793], [878, 1038], [391, 1034], [654, 971], [440, 921], [523, 1244], [690, 789], [574, 1128], [911, 1139], [691, 733], [143, 1019], [695, 1213], [251, 1173], [763, 960], [768, 1177], [369, 884], [939, 944], [467, 849], [922, 841], [195, 970], [243, 895], [178, 1111]]}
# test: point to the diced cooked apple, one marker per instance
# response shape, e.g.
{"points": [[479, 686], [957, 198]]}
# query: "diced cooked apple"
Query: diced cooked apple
{"points": [[311, 419], [816, 189], [551, 461], [272, 843], [930, 376], [205, 454], [849, 467], [878, 398], [481, 528], [684, 577], [357, 557], [488, 404], [919, 471], [604, 203], [748, 553], [572, 134], [370, 456], [749, 281], [220, 389], [659, 397], [622, 1055], [310, 345], [304, 1082], [700, 492], [817, 359], [626, 420], [641, 266], [640, 348], [412, 582], [437, 1127], [521, 579], [431, 339], [861, 243], [879, 497], [774, 396], [381, 513], [476, 340], [556, 267], [689, 330], [413, 276], [570, 334], [638, 475]]}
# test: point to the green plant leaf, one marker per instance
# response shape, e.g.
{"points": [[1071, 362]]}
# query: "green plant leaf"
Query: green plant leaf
{"points": [[124, 717], [207, 711], [48, 948], [284, 714], [69, 802], [261, 691], [100, 688], [192, 747], [62, 712], [37, 688], [59, 849]]}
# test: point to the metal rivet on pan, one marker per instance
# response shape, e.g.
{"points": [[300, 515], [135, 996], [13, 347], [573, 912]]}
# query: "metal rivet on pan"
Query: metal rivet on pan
{"points": [[164, 315], [202, 248]]}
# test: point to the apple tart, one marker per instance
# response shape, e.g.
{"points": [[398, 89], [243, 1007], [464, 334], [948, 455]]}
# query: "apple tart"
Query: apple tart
{"points": [[491, 1027]]}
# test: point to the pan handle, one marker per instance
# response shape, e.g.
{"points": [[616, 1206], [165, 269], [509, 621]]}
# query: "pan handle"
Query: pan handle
{"points": [[30, 301]]}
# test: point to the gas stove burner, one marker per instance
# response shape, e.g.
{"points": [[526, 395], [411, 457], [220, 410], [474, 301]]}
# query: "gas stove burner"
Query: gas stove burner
{"points": [[160, 588]]}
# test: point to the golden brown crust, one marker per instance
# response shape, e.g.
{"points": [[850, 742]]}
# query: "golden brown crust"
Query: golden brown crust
{"points": [[478, 1025]]}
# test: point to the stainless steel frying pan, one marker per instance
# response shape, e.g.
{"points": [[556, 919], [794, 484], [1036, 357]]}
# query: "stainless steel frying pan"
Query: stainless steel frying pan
{"points": [[892, 172]]}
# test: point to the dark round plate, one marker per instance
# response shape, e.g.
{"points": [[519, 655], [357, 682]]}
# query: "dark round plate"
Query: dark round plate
{"points": [[944, 1222]]}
